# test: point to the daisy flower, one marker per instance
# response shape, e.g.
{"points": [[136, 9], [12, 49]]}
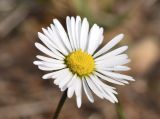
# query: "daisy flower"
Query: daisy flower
{"points": [[75, 62]]}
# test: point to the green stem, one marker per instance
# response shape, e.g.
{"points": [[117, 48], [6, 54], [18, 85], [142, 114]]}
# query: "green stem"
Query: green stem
{"points": [[60, 105], [120, 111]]}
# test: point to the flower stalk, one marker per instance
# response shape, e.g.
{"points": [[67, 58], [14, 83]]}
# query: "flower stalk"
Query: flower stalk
{"points": [[60, 105], [120, 112]]}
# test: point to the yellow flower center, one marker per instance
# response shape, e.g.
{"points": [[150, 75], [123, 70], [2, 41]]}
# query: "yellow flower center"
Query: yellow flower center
{"points": [[80, 62]]}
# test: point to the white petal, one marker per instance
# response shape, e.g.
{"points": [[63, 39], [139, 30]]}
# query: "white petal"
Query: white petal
{"points": [[78, 92], [60, 72], [107, 91], [110, 96], [109, 45], [124, 68], [110, 88], [108, 79], [69, 30], [101, 39], [63, 84], [78, 87], [79, 101], [116, 75], [48, 75], [94, 38], [50, 45], [45, 40], [84, 34], [61, 78], [73, 29], [48, 59], [78, 31], [105, 94], [49, 64], [50, 37], [94, 88], [118, 68], [46, 68], [44, 50], [115, 61], [70, 92], [71, 83], [71, 86], [123, 81], [113, 53], [121, 56], [46, 33], [87, 91], [57, 40], [54, 74], [62, 34]]}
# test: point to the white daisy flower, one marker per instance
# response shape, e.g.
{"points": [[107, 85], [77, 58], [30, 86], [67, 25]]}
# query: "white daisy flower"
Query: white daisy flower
{"points": [[75, 63]]}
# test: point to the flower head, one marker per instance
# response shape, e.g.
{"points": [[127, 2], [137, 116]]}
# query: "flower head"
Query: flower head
{"points": [[80, 62], [75, 63]]}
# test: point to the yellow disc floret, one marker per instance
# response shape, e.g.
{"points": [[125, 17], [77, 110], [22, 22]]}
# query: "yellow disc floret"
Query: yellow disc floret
{"points": [[80, 62]]}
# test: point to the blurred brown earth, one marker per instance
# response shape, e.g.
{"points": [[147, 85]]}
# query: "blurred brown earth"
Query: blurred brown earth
{"points": [[24, 95]]}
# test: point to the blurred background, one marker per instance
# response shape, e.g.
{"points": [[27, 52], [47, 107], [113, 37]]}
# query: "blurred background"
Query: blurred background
{"points": [[24, 95]]}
